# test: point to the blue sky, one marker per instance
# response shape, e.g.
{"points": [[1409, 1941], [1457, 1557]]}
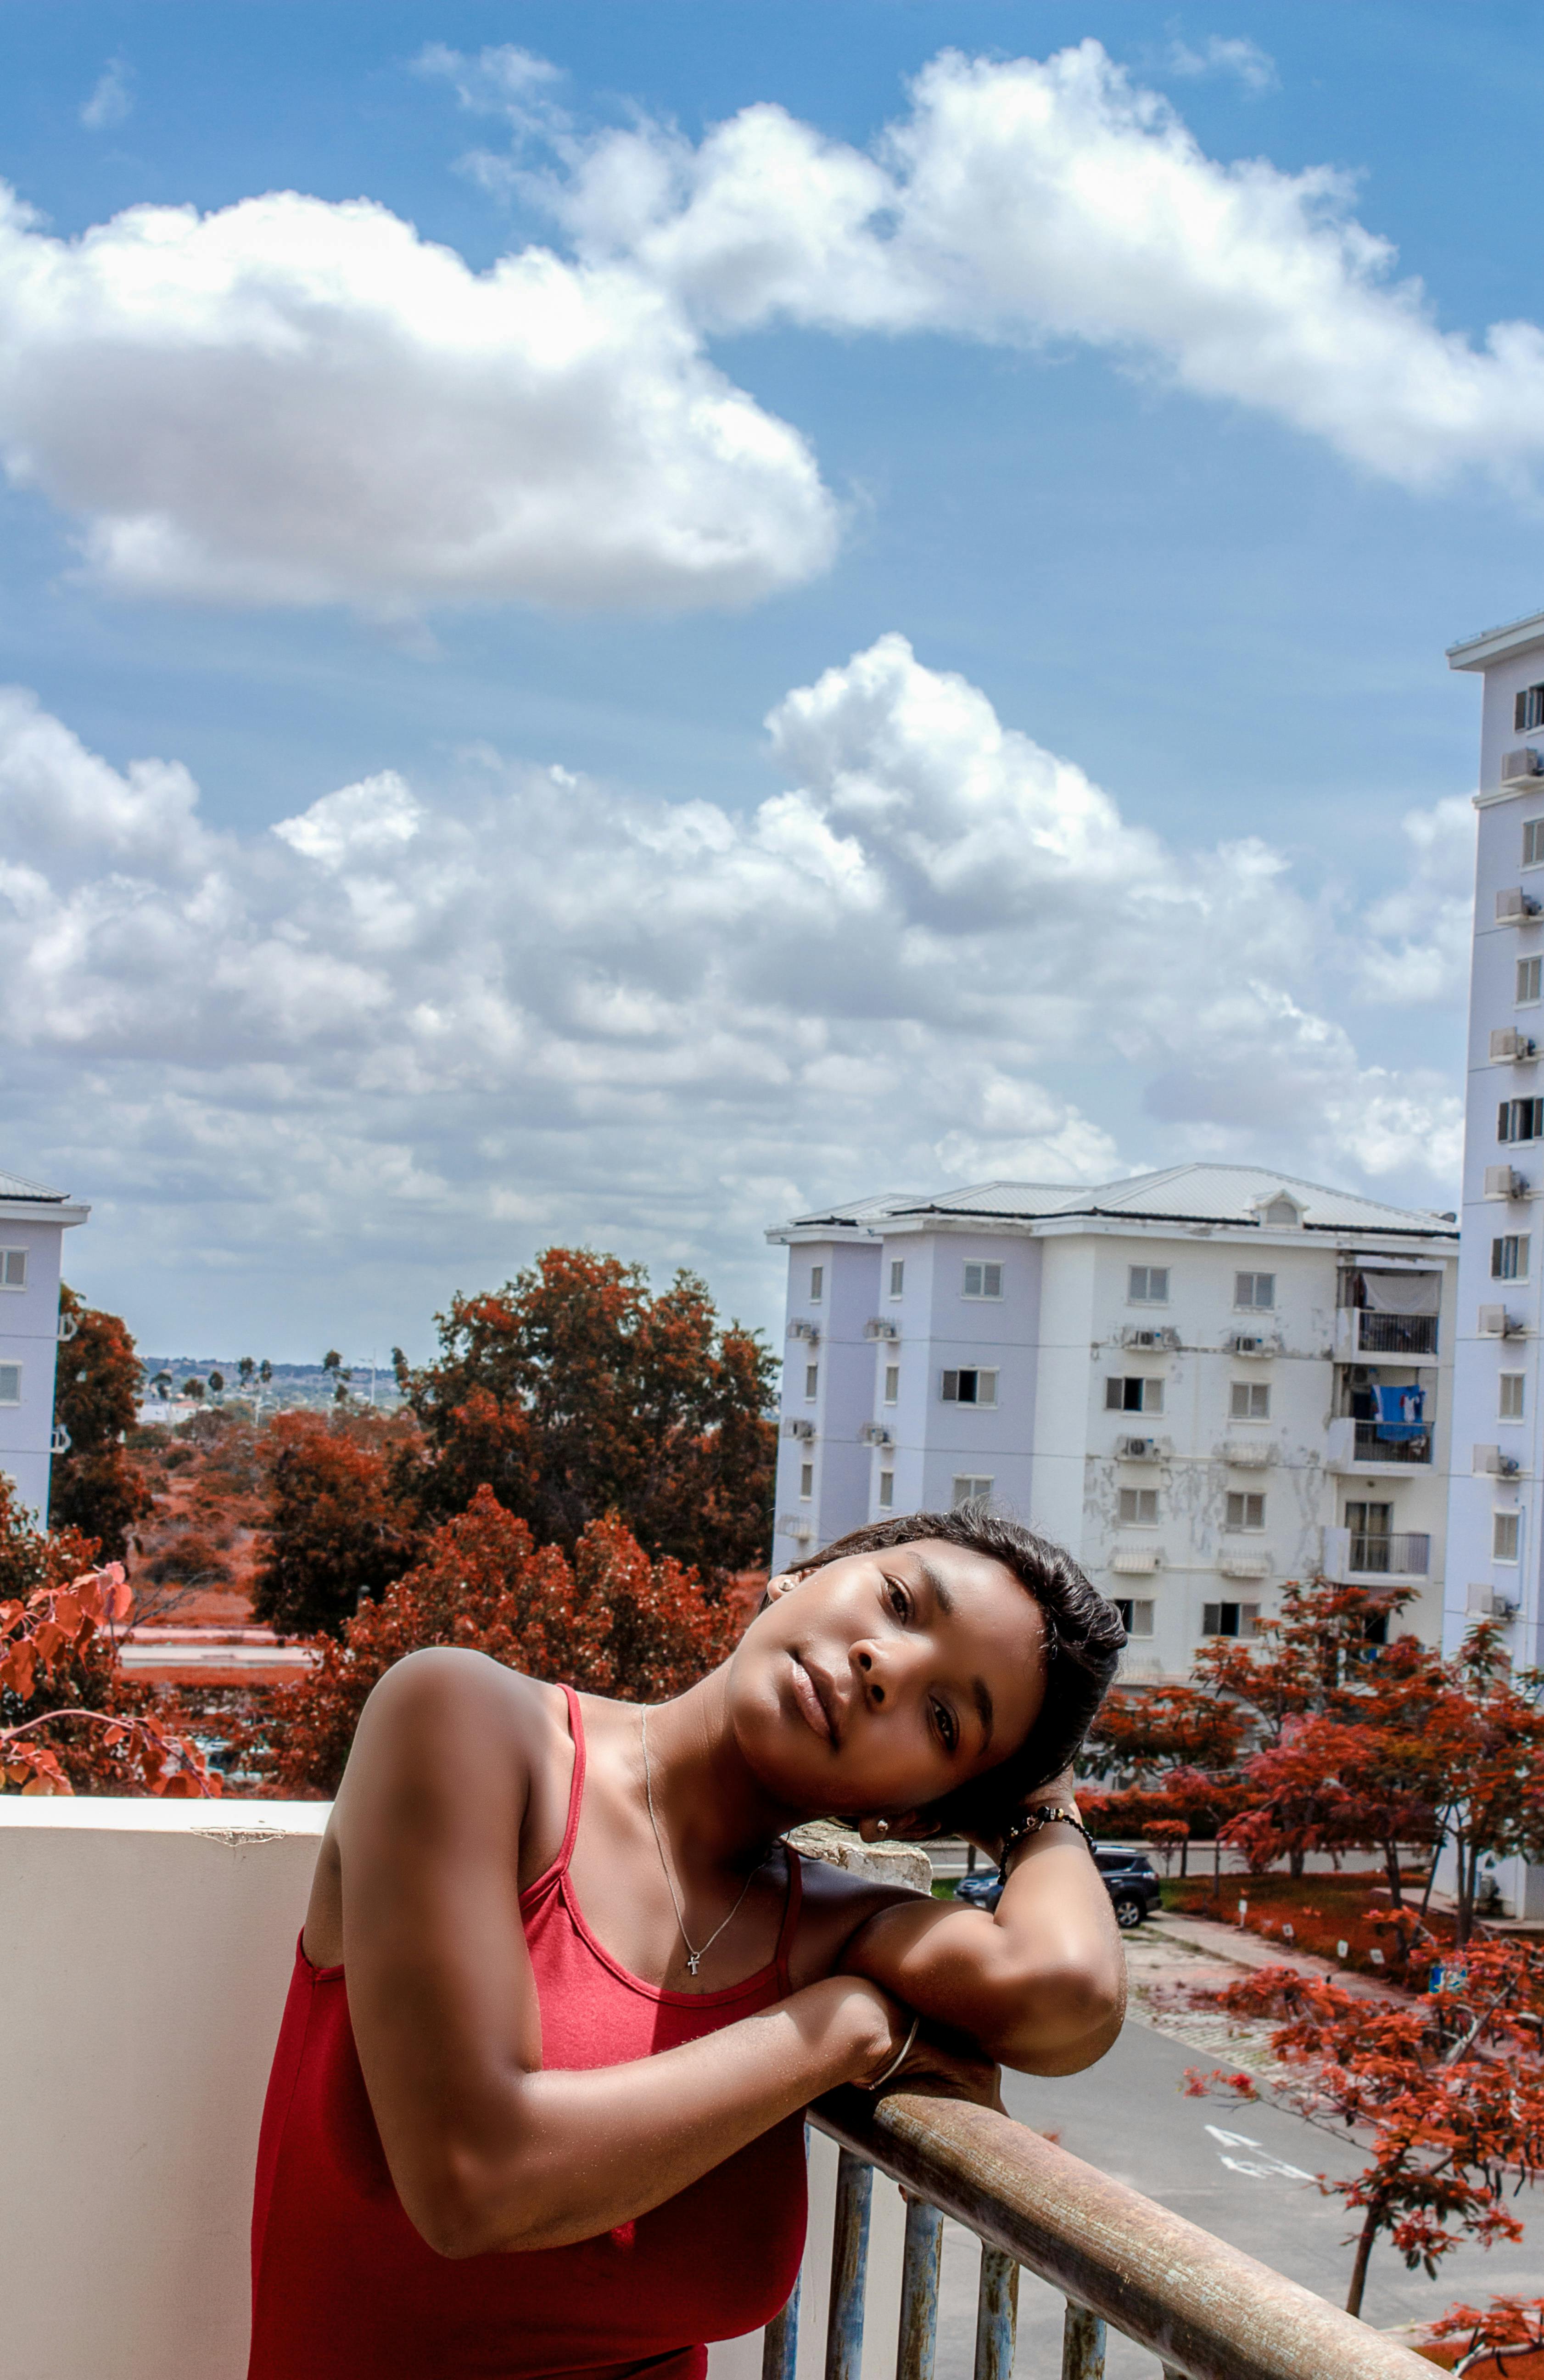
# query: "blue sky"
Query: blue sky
{"points": [[1095, 580]]}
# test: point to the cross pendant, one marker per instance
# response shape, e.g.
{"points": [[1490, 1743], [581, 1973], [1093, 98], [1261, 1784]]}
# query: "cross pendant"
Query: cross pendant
{"points": [[693, 1961]]}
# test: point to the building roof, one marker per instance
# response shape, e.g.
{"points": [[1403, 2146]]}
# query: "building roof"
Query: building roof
{"points": [[1493, 644], [13, 1186], [1200, 1193]]}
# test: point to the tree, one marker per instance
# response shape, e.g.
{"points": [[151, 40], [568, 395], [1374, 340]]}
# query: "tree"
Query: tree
{"points": [[217, 1384], [194, 1388], [162, 1384], [1483, 1740], [1334, 1785], [244, 1372], [1447, 2091], [1142, 1734], [574, 1392], [96, 1486], [265, 1373], [337, 1531], [609, 1622], [1315, 1657], [1506, 2324]]}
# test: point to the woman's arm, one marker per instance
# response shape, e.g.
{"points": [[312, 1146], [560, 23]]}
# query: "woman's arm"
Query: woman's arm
{"points": [[486, 2150], [1040, 1985]]}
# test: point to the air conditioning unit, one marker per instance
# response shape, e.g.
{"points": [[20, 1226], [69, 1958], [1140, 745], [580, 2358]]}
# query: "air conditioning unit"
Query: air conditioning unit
{"points": [[1136, 1561], [798, 1429], [1495, 1322], [1141, 1450], [879, 1327], [1514, 904], [797, 1526], [1237, 1562], [1508, 1044], [1254, 1343], [1491, 1459], [1505, 1181], [1148, 1335], [1485, 1603], [1360, 1375], [1249, 1454], [1518, 767], [873, 1433], [801, 1328]]}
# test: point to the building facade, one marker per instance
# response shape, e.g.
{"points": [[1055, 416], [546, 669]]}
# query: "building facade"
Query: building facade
{"points": [[1203, 1382], [33, 1222]]}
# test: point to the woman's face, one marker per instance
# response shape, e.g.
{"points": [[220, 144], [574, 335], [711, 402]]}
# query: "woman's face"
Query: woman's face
{"points": [[881, 1682]]}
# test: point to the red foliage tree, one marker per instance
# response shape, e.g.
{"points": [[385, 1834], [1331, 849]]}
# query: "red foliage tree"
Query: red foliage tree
{"points": [[574, 1392], [1486, 2336], [609, 1621], [96, 1486], [337, 1531], [1335, 1785], [1447, 2090]]}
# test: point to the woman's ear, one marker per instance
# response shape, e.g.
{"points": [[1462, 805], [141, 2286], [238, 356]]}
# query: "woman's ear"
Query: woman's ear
{"points": [[774, 1589]]}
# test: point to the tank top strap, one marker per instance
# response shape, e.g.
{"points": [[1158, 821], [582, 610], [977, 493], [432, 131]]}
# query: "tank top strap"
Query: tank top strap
{"points": [[791, 1916], [576, 1785]]}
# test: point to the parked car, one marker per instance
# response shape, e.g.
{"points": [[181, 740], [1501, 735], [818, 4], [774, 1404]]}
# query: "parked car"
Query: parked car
{"points": [[1128, 1879]]}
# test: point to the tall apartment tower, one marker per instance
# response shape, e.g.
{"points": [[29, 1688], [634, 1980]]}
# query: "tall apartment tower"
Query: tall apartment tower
{"points": [[1203, 1382], [1498, 1427], [33, 1222]]}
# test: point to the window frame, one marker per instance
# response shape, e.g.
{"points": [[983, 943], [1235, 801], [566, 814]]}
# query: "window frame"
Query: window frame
{"points": [[1253, 1303], [1520, 1243], [1136, 1518], [891, 1395], [1246, 1619], [1147, 1295], [1517, 1381], [1512, 1115], [978, 1372], [806, 1482], [1248, 1390], [977, 1487], [887, 1495], [1129, 1607], [17, 1370], [984, 1266], [812, 1383], [1502, 1523], [817, 1284], [1126, 1381], [6, 1254], [1245, 1500], [1532, 827], [1530, 970], [898, 1277]]}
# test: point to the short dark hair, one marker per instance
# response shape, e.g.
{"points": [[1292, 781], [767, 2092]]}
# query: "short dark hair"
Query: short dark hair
{"points": [[1083, 1639]]}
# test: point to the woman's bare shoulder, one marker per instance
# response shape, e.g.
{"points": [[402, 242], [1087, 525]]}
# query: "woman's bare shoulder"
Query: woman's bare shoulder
{"points": [[448, 1721]]}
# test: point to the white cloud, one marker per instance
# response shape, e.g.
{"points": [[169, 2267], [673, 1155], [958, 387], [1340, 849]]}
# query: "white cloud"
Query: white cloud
{"points": [[1029, 201], [528, 1003], [296, 402], [1229, 54], [111, 98]]}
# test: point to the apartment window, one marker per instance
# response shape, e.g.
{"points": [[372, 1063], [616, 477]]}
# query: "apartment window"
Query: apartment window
{"points": [[1136, 1615], [13, 1267], [1527, 711], [1138, 1507], [1508, 1257], [806, 1480], [984, 1280], [10, 1384], [1147, 1285], [898, 1275], [1509, 1405], [892, 1383], [817, 1283], [1133, 1395], [1230, 1620], [1248, 1401], [1520, 1120], [812, 1383], [1504, 1527], [968, 1389], [1530, 978], [886, 1490], [971, 1489], [1254, 1291], [1246, 1512], [1533, 836]]}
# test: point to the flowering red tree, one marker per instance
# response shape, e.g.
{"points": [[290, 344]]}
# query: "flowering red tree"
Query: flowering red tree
{"points": [[337, 1531], [1515, 2325], [1447, 2090], [609, 1621], [67, 1718]]}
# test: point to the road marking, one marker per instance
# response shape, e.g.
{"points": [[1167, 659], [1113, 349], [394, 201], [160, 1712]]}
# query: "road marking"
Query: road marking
{"points": [[1261, 2165]]}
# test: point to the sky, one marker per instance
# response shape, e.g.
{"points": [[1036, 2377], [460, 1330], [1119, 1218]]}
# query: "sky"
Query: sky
{"points": [[616, 620]]}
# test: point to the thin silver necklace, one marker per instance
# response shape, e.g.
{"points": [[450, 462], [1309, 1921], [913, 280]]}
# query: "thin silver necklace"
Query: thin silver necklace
{"points": [[694, 1958]]}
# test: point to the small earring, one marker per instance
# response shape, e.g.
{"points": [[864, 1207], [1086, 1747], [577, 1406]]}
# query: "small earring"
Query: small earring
{"points": [[882, 1827]]}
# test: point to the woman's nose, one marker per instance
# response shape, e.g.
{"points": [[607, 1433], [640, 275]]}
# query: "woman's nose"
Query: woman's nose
{"points": [[877, 1666]]}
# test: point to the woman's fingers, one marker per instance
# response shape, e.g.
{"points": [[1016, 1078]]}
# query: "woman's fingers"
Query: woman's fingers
{"points": [[947, 2072]]}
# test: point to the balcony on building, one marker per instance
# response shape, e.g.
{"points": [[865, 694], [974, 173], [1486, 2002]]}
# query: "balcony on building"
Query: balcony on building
{"points": [[1352, 1445], [1366, 1557]]}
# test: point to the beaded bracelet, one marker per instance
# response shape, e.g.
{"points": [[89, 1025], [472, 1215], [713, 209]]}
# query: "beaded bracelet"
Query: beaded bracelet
{"points": [[1030, 1822]]}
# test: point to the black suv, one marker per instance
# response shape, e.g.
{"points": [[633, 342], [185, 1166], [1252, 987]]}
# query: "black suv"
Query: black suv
{"points": [[1128, 1879]]}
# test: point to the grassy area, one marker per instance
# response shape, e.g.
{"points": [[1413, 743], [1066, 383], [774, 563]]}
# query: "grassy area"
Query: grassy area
{"points": [[1314, 1913]]}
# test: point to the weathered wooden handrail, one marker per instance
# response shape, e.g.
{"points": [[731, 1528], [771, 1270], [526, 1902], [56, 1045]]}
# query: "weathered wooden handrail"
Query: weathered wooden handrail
{"points": [[1207, 2311]]}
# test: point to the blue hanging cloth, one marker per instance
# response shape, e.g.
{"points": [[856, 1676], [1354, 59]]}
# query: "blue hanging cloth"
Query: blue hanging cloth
{"points": [[1401, 1413]]}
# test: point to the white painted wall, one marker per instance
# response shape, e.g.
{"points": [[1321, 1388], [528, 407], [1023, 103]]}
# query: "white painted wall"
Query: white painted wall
{"points": [[29, 1336]]}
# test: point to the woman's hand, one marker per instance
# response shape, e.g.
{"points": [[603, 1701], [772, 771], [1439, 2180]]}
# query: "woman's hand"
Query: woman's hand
{"points": [[944, 2070]]}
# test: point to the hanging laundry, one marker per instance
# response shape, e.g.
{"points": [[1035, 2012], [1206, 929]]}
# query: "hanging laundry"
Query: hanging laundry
{"points": [[1401, 1413]]}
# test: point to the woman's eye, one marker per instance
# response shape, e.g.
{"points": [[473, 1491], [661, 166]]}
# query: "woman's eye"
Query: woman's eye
{"points": [[946, 1727], [900, 1601]]}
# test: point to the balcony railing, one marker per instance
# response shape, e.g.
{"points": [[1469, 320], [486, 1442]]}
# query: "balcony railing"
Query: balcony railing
{"points": [[1122, 2262], [1394, 1334], [1371, 1448], [1406, 1553]]}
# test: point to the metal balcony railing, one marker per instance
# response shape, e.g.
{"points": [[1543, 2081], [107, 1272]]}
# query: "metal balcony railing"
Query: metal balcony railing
{"points": [[1204, 2309], [1395, 1334], [1370, 1448], [1405, 1553]]}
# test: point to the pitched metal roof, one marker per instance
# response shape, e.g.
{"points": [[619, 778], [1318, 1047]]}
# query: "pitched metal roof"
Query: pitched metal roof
{"points": [[13, 1186], [1199, 1193]]}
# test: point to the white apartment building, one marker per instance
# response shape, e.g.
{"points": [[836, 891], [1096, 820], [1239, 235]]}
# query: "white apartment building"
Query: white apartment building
{"points": [[33, 1222], [1203, 1382]]}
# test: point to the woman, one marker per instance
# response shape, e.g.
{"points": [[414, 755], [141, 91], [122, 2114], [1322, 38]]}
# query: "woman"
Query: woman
{"points": [[553, 2126]]}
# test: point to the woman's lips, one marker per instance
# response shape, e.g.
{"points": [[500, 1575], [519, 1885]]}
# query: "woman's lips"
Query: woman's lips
{"points": [[812, 1702]]}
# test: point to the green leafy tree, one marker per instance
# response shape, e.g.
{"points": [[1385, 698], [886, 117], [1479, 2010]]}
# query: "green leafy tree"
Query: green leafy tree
{"points": [[96, 1486], [194, 1388], [245, 1370], [574, 1392]]}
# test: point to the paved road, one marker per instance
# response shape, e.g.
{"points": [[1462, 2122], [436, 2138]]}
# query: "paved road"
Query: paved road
{"points": [[1128, 2116]]}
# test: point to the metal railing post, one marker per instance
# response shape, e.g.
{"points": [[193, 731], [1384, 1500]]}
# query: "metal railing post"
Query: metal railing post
{"points": [[1082, 2353], [918, 2290], [996, 2315], [780, 2347], [844, 2328]]}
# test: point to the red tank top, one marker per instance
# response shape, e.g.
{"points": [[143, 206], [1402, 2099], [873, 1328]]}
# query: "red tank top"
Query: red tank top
{"points": [[344, 2288]]}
